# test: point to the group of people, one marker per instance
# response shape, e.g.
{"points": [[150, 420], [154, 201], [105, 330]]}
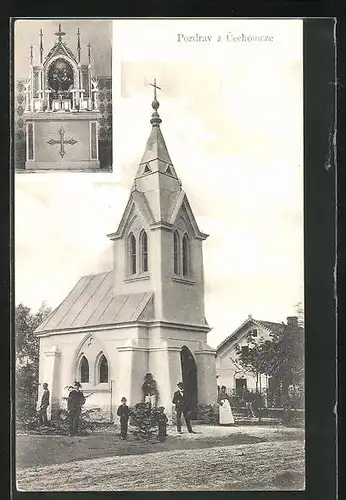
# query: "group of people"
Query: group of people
{"points": [[76, 399], [181, 407], [226, 416]]}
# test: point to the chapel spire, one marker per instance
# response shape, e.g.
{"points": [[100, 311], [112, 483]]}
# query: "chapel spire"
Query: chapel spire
{"points": [[156, 157]]}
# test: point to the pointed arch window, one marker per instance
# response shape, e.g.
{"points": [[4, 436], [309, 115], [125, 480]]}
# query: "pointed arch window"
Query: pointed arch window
{"points": [[84, 370], [132, 254], [176, 252], [103, 370], [185, 252], [144, 251]]}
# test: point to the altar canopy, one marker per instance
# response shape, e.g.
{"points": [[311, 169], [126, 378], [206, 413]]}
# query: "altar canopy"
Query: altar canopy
{"points": [[61, 109]]}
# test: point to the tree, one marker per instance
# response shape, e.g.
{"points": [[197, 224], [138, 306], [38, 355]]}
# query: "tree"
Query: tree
{"points": [[27, 359], [281, 357]]}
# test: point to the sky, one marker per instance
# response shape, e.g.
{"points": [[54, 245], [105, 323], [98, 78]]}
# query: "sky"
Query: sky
{"points": [[232, 118]]}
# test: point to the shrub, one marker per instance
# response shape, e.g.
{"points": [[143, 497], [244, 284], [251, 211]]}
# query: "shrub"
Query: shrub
{"points": [[143, 420], [88, 421], [208, 413], [60, 424]]}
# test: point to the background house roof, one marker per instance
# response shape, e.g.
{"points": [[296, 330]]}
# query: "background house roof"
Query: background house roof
{"points": [[92, 302], [269, 325]]}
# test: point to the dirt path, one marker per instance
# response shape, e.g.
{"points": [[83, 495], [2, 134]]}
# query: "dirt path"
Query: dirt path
{"points": [[271, 465], [35, 450]]}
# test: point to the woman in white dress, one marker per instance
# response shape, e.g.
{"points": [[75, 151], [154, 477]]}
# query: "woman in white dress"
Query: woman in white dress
{"points": [[225, 411]]}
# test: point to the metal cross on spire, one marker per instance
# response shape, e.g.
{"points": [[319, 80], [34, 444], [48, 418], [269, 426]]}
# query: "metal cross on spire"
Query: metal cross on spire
{"points": [[155, 117], [155, 87], [60, 33]]}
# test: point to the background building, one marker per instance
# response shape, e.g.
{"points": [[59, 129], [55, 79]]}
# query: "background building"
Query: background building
{"points": [[229, 372]]}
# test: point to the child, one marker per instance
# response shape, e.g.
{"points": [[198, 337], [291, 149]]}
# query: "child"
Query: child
{"points": [[123, 413], [162, 423]]}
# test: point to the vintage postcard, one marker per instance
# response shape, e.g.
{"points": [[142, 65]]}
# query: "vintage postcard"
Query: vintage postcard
{"points": [[160, 310]]}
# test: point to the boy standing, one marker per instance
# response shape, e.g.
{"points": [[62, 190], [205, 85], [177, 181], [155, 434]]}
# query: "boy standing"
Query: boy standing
{"points": [[123, 413], [162, 423]]}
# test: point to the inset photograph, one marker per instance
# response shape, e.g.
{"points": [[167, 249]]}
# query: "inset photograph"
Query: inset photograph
{"points": [[63, 95]]}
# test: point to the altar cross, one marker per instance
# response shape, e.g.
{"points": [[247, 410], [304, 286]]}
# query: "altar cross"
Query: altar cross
{"points": [[60, 34], [62, 142], [155, 87]]}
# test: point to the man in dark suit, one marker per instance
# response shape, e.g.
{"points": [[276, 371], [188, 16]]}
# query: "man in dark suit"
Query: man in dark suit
{"points": [[75, 401], [42, 412], [182, 407]]}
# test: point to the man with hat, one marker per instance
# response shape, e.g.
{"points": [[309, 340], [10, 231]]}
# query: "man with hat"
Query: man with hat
{"points": [[75, 401], [182, 407]]}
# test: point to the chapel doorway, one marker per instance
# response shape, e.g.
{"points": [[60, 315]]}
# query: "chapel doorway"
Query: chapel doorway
{"points": [[189, 374]]}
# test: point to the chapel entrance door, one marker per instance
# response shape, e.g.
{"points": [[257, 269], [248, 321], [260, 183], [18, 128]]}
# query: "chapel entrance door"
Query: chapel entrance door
{"points": [[189, 373]]}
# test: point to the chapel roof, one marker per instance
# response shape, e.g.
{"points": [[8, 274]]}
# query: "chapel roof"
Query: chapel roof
{"points": [[271, 326], [156, 157], [92, 302]]}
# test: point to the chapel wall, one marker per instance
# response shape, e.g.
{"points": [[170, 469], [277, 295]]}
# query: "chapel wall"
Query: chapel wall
{"points": [[182, 298]]}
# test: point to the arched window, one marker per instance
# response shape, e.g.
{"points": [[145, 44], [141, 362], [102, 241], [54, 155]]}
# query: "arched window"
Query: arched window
{"points": [[103, 370], [176, 252], [144, 251], [185, 255], [84, 370], [133, 254]]}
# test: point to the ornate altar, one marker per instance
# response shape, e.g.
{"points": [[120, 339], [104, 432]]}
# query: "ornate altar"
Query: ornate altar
{"points": [[61, 109]]}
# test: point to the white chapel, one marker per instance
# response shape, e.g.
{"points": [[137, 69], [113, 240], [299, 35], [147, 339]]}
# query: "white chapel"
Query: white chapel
{"points": [[146, 315]]}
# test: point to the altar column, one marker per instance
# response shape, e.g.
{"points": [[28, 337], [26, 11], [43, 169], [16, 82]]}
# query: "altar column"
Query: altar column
{"points": [[31, 81], [95, 99], [89, 79], [40, 76], [27, 91]]}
